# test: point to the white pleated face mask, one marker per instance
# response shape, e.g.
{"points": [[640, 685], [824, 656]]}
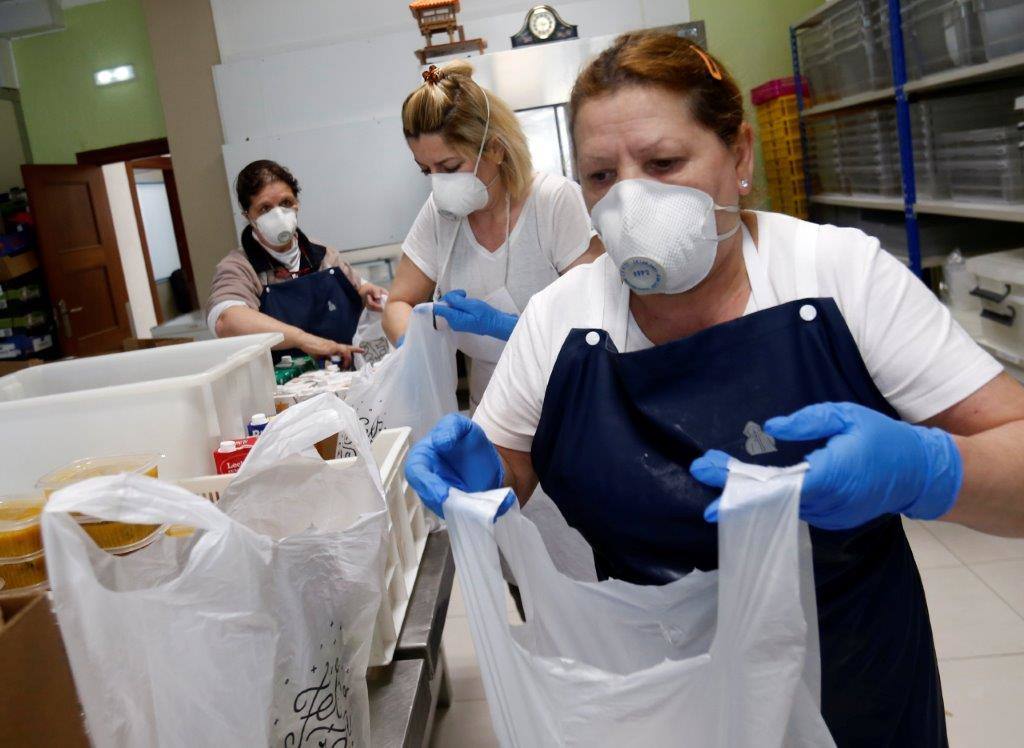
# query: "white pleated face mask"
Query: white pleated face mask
{"points": [[277, 226], [662, 237], [461, 193]]}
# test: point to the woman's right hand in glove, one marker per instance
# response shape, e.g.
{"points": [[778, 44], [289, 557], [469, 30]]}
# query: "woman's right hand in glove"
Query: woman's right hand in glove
{"points": [[455, 454]]}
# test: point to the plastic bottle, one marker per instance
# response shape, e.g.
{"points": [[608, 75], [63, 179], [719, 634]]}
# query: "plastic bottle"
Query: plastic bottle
{"points": [[959, 282], [257, 423], [286, 370]]}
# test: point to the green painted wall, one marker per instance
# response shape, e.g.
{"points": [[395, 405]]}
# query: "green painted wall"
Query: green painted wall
{"points": [[65, 112], [751, 38]]}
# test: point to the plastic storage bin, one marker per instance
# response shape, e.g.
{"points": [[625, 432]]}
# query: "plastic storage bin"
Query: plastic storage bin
{"points": [[847, 51], [1002, 27], [1001, 291], [939, 35], [177, 400], [408, 533], [855, 152]]}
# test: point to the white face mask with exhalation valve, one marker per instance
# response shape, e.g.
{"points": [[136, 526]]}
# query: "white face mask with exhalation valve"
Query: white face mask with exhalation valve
{"points": [[662, 237], [277, 226], [461, 193]]}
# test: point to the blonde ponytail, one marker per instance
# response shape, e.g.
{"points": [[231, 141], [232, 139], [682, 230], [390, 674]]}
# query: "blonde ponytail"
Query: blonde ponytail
{"points": [[451, 104]]}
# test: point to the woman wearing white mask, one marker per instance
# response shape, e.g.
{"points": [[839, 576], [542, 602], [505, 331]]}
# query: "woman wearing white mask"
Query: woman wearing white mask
{"points": [[708, 332], [493, 232], [280, 281]]}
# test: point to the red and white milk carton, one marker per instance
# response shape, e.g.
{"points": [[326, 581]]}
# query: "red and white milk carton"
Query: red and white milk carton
{"points": [[231, 453]]}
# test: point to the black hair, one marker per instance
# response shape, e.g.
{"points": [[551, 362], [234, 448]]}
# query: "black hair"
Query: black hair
{"points": [[258, 175]]}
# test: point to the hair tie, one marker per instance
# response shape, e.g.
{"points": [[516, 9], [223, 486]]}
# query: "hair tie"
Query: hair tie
{"points": [[430, 75], [713, 70]]}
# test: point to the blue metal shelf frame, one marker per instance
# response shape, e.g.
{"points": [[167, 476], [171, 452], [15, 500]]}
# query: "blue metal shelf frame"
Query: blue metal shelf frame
{"points": [[903, 128]]}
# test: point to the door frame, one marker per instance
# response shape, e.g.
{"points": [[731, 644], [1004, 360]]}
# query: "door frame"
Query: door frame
{"points": [[150, 154]]}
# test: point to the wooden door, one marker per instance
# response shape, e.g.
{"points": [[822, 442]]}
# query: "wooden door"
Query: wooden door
{"points": [[78, 250]]}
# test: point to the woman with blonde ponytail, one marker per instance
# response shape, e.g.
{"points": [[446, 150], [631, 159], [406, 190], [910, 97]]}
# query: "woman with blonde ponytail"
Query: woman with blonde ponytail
{"points": [[492, 233]]}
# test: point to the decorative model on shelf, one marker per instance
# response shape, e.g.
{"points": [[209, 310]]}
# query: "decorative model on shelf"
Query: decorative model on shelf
{"points": [[439, 17], [543, 24]]}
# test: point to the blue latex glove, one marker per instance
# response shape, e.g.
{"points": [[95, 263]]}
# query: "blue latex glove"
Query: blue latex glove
{"points": [[456, 453], [872, 465], [475, 316]]}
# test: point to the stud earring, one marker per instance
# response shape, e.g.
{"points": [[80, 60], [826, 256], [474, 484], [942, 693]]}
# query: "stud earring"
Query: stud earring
{"points": [[744, 184]]}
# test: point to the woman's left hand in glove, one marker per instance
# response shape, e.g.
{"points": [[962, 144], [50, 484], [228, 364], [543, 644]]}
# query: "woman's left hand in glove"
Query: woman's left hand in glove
{"points": [[871, 465], [473, 315]]}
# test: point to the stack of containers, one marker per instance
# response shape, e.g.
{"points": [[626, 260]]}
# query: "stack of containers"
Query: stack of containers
{"points": [[853, 152], [944, 34], [779, 124], [966, 147], [1001, 291], [847, 51]]}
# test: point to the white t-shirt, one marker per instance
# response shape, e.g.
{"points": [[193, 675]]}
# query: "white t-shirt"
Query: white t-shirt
{"points": [[921, 360], [552, 231]]}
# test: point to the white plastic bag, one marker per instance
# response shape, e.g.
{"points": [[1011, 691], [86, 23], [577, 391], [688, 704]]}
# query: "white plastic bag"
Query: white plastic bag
{"points": [[254, 631], [414, 386], [725, 659], [370, 336]]}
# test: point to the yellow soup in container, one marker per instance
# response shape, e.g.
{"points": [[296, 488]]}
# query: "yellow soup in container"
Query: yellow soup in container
{"points": [[115, 537], [22, 575], [19, 525]]}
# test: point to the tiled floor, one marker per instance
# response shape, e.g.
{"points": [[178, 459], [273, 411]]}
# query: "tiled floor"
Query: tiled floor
{"points": [[975, 588]]}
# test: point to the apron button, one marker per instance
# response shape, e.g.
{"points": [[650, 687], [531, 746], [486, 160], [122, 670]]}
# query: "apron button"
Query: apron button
{"points": [[593, 338], [332, 271], [808, 313]]}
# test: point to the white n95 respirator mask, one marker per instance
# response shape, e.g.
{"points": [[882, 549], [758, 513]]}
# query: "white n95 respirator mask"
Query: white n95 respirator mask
{"points": [[278, 225], [662, 237], [461, 193]]}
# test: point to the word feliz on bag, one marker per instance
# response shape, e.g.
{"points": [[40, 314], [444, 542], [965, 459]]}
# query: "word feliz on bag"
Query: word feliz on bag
{"points": [[319, 705]]}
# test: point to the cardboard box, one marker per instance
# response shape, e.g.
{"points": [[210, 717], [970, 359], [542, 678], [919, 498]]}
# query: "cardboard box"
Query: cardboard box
{"points": [[9, 367], [13, 267], [38, 703]]}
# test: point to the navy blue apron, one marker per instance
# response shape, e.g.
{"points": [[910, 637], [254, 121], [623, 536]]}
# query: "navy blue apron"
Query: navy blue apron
{"points": [[613, 447], [321, 302]]}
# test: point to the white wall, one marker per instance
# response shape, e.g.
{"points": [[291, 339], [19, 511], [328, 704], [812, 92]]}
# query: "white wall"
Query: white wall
{"points": [[156, 219], [259, 28], [133, 264], [318, 85]]}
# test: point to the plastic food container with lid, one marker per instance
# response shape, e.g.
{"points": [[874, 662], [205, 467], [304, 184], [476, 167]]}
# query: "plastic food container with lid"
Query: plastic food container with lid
{"points": [[92, 467], [19, 525], [114, 537], [22, 575]]}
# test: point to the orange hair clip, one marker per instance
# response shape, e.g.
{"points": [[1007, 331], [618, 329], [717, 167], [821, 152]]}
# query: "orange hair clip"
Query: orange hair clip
{"points": [[430, 75], [713, 70]]}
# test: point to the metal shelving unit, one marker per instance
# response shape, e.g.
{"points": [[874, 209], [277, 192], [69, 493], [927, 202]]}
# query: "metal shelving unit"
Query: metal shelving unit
{"points": [[849, 102], [898, 94], [970, 209], [874, 202]]}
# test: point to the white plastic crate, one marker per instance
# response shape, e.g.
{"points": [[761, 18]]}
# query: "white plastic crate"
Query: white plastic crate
{"points": [[177, 400], [408, 537], [1001, 290]]}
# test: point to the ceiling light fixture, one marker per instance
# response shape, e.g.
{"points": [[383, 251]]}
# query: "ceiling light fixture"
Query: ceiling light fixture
{"points": [[120, 74]]}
